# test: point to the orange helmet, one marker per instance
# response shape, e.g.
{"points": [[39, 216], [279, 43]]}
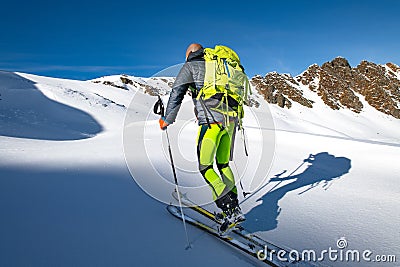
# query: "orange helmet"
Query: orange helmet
{"points": [[192, 48]]}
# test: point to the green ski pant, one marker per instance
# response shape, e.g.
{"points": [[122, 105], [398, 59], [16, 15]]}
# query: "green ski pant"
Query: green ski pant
{"points": [[214, 143]]}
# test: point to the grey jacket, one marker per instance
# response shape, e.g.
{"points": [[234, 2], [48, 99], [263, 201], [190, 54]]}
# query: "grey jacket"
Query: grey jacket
{"points": [[192, 76]]}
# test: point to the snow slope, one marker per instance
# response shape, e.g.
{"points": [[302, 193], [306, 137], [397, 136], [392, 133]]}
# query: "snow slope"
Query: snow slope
{"points": [[67, 197]]}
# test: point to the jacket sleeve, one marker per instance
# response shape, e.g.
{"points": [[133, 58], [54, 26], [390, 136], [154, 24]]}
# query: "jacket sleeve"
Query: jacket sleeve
{"points": [[181, 85]]}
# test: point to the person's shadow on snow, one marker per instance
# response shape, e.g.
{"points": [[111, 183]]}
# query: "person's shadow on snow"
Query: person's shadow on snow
{"points": [[323, 169]]}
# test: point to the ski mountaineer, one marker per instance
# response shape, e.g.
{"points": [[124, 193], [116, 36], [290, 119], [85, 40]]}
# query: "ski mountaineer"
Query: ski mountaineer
{"points": [[216, 130]]}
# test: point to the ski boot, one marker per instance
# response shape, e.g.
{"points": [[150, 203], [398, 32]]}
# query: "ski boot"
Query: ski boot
{"points": [[238, 215], [231, 214]]}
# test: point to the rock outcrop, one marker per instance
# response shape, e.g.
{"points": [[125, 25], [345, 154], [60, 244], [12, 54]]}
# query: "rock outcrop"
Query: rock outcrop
{"points": [[338, 85]]}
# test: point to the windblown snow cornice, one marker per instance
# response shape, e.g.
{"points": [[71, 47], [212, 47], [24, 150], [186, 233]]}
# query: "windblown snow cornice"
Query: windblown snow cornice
{"points": [[338, 85]]}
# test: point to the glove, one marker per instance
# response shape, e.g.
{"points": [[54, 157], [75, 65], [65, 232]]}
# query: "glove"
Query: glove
{"points": [[163, 123]]}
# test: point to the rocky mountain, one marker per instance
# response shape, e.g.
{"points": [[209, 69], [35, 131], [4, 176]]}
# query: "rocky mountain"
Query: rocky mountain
{"points": [[336, 83], [339, 86]]}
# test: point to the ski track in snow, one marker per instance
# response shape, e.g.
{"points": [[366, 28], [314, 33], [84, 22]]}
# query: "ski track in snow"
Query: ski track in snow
{"points": [[344, 138]]}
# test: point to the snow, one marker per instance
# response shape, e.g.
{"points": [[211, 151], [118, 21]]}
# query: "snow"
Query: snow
{"points": [[67, 197]]}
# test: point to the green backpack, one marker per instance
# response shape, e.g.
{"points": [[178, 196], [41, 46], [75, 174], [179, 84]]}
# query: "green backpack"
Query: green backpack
{"points": [[224, 74]]}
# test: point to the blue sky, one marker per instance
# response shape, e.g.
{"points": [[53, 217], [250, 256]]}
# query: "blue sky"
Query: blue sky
{"points": [[88, 39]]}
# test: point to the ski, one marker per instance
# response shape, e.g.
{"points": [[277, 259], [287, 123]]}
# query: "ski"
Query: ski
{"points": [[227, 226], [238, 229], [247, 248]]}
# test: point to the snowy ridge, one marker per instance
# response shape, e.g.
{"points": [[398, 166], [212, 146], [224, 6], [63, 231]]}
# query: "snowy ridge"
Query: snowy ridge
{"points": [[69, 199], [153, 85]]}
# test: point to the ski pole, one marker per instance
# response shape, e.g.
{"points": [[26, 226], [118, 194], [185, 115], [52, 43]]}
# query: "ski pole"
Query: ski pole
{"points": [[240, 181], [244, 142], [159, 110], [247, 154]]}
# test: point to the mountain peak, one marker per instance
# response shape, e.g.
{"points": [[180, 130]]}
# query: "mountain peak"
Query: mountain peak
{"points": [[338, 85], [338, 62]]}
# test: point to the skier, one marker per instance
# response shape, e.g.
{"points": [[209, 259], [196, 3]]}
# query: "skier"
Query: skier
{"points": [[215, 134]]}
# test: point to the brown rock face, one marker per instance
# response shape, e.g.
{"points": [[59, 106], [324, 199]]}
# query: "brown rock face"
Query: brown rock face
{"points": [[331, 84], [393, 67], [380, 87], [338, 85], [280, 89], [125, 80]]}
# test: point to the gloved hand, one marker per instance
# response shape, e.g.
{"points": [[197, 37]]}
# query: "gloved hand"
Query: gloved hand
{"points": [[163, 123]]}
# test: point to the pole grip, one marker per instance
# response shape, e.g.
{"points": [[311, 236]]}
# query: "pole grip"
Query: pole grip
{"points": [[159, 107]]}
